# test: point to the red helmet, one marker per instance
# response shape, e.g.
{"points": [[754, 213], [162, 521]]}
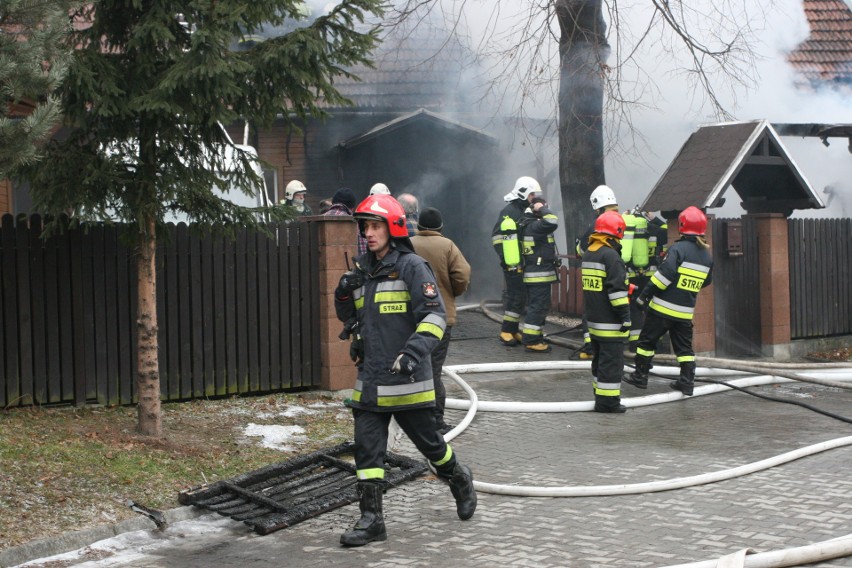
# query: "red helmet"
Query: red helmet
{"points": [[611, 223], [383, 207], [692, 221]]}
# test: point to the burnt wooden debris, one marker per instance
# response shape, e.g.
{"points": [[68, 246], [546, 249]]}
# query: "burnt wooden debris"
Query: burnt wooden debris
{"points": [[280, 495]]}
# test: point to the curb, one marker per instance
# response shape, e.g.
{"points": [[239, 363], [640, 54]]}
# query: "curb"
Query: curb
{"points": [[71, 541]]}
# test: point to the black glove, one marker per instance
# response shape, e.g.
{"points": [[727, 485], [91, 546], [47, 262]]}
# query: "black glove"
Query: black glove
{"points": [[404, 365], [645, 297], [351, 280], [356, 349], [625, 326]]}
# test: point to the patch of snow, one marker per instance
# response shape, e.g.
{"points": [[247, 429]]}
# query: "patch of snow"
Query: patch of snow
{"points": [[277, 437]]}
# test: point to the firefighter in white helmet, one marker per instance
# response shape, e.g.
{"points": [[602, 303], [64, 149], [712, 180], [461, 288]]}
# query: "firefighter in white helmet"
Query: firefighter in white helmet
{"points": [[294, 196], [507, 245], [379, 189]]}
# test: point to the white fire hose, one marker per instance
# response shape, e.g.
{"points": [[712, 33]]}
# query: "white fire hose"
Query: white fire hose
{"points": [[835, 375]]}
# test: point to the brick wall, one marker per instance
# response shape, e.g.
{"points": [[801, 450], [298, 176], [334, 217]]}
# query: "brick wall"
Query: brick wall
{"points": [[5, 197], [774, 272], [336, 236]]}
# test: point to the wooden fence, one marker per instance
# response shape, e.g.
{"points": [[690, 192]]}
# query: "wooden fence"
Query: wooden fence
{"points": [[235, 316], [820, 277], [820, 257]]}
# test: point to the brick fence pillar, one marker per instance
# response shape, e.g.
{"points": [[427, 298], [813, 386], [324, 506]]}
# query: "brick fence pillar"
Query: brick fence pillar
{"points": [[774, 272], [336, 235], [704, 322]]}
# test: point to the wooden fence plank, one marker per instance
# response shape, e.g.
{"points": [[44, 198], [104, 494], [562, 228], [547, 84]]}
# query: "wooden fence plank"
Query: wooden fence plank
{"points": [[241, 319], [39, 323], [296, 352], [110, 271], [126, 279], [183, 309], [53, 283], [252, 311], [207, 317], [99, 301], [67, 324], [8, 274], [284, 309], [198, 389], [310, 300], [263, 311], [230, 308], [25, 323], [219, 323], [170, 353], [273, 290], [78, 315]]}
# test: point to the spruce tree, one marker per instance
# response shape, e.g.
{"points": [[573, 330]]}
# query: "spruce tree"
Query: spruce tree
{"points": [[33, 55], [148, 89]]}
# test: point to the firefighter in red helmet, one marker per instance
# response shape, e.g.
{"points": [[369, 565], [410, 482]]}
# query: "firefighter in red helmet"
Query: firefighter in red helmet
{"points": [[670, 297], [394, 297], [606, 309]]}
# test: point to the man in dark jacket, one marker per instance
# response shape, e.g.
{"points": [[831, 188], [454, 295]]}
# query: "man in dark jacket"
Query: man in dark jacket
{"points": [[607, 309], [401, 318], [670, 296], [504, 238], [453, 275]]}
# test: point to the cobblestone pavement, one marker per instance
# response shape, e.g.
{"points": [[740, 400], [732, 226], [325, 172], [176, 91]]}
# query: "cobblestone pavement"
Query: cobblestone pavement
{"points": [[795, 504]]}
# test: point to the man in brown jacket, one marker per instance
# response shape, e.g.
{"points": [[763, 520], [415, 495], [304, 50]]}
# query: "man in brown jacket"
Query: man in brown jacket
{"points": [[452, 272]]}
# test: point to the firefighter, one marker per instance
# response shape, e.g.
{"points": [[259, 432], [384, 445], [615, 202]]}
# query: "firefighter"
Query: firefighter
{"points": [[294, 196], [540, 262], [607, 310], [602, 199], [400, 319], [670, 297], [649, 242], [504, 238]]}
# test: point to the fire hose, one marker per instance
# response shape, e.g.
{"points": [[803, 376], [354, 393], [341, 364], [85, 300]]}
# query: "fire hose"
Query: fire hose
{"points": [[837, 375]]}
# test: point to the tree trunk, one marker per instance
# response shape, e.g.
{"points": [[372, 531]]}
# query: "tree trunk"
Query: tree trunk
{"points": [[583, 51], [148, 380]]}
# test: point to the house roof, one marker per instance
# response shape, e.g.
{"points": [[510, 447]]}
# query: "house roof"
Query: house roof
{"points": [[826, 56], [419, 116], [748, 156], [420, 68]]}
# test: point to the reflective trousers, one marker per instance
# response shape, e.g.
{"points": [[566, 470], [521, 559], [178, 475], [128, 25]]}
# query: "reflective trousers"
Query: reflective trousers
{"points": [[371, 436], [516, 300]]}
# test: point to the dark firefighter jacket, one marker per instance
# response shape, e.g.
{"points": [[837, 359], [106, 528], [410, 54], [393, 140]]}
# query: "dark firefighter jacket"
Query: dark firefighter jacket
{"points": [[399, 310], [515, 211], [539, 246], [605, 290], [674, 287]]}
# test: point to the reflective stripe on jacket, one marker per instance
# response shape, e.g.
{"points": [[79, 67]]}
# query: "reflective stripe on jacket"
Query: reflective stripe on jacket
{"points": [[539, 247], [605, 300], [685, 270], [399, 310]]}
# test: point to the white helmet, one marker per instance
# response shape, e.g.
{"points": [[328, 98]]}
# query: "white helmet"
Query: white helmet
{"points": [[524, 186], [602, 196], [293, 188], [379, 189]]}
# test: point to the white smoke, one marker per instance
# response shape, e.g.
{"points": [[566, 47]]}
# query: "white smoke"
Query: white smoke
{"points": [[775, 96]]}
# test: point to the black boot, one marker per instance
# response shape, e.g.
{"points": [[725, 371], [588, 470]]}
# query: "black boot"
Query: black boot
{"points": [[639, 377], [461, 485], [371, 525], [609, 405], [686, 381]]}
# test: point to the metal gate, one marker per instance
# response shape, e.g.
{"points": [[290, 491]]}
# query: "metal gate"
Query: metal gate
{"points": [[736, 281]]}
